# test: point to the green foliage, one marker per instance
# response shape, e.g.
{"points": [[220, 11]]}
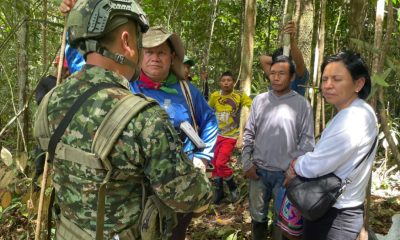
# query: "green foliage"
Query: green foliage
{"points": [[191, 19], [11, 18], [389, 78], [379, 79]]}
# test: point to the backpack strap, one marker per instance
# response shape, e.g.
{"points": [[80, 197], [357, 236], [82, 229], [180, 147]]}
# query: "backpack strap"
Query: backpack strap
{"points": [[189, 101], [62, 126], [115, 122], [109, 130]]}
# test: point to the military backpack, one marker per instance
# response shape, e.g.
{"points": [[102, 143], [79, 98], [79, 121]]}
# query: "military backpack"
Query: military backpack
{"points": [[156, 219]]}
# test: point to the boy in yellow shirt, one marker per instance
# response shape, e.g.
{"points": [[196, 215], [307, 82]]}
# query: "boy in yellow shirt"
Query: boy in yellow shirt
{"points": [[227, 104]]}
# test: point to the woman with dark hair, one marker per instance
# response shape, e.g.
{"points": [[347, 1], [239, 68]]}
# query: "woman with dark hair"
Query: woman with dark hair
{"points": [[345, 142]]}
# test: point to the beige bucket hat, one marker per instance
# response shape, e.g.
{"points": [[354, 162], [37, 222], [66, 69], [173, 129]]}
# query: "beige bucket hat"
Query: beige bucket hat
{"points": [[156, 36]]}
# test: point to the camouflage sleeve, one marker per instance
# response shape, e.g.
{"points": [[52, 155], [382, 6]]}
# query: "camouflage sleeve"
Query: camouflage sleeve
{"points": [[172, 176]]}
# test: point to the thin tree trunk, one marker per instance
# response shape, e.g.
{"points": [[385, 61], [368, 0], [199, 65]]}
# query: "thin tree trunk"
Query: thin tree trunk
{"points": [[380, 8], [318, 61], [246, 65], [22, 35], [208, 46], [377, 67], [296, 17], [305, 30], [270, 11], [314, 45], [287, 16], [381, 107], [248, 46], [44, 35], [358, 13], [335, 40]]}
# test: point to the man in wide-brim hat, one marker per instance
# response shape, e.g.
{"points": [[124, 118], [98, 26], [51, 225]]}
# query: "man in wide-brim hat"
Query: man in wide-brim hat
{"points": [[162, 72]]}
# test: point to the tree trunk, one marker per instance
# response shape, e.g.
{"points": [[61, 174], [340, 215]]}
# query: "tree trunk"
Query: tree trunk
{"points": [[44, 35], [246, 65], [314, 45], [270, 11], [358, 14], [305, 30], [381, 107], [318, 60], [297, 11], [208, 46], [287, 16], [377, 68], [22, 35]]}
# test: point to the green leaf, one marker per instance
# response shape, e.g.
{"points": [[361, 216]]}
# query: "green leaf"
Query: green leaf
{"points": [[380, 78], [232, 236], [225, 230]]}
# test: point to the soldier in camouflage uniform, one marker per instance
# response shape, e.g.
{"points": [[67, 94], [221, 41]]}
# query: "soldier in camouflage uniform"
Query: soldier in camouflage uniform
{"points": [[148, 148]]}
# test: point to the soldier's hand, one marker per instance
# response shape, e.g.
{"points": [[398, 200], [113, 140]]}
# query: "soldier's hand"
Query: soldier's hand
{"points": [[66, 6], [252, 173]]}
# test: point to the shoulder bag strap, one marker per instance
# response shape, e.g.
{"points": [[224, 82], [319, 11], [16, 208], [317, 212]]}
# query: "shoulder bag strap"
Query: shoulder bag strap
{"points": [[188, 97], [349, 179]]}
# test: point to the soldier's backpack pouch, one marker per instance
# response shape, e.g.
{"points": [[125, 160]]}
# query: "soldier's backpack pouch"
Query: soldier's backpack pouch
{"points": [[158, 220]]}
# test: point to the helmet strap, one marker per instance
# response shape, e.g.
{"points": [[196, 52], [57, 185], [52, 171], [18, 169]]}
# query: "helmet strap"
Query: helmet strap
{"points": [[94, 46]]}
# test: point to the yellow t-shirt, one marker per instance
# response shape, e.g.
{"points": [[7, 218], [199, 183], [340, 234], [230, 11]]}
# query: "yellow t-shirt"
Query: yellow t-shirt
{"points": [[227, 108]]}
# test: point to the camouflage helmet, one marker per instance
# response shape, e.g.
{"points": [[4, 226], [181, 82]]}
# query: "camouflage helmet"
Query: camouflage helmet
{"points": [[92, 19]]}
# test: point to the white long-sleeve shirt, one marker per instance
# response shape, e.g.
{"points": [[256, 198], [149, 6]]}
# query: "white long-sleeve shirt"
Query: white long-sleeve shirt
{"points": [[345, 142], [279, 129]]}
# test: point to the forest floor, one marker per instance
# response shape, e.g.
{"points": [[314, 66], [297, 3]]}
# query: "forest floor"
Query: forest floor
{"points": [[228, 221], [232, 221]]}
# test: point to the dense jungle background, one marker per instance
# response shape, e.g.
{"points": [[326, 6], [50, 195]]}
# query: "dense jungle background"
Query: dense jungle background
{"points": [[219, 35]]}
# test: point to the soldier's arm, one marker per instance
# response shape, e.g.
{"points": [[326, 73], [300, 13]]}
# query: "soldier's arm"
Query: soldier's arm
{"points": [[172, 177]]}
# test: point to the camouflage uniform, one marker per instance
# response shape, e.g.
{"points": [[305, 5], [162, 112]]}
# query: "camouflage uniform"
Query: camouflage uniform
{"points": [[148, 147]]}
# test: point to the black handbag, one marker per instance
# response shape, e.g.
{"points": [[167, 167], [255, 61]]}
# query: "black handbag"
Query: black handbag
{"points": [[313, 197]]}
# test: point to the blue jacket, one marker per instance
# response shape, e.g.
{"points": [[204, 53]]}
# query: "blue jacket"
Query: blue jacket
{"points": [[204, 115]]}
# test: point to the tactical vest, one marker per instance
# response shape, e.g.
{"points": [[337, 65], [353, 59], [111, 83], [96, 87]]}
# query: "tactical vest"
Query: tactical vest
{"points": [[108, 132]]}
